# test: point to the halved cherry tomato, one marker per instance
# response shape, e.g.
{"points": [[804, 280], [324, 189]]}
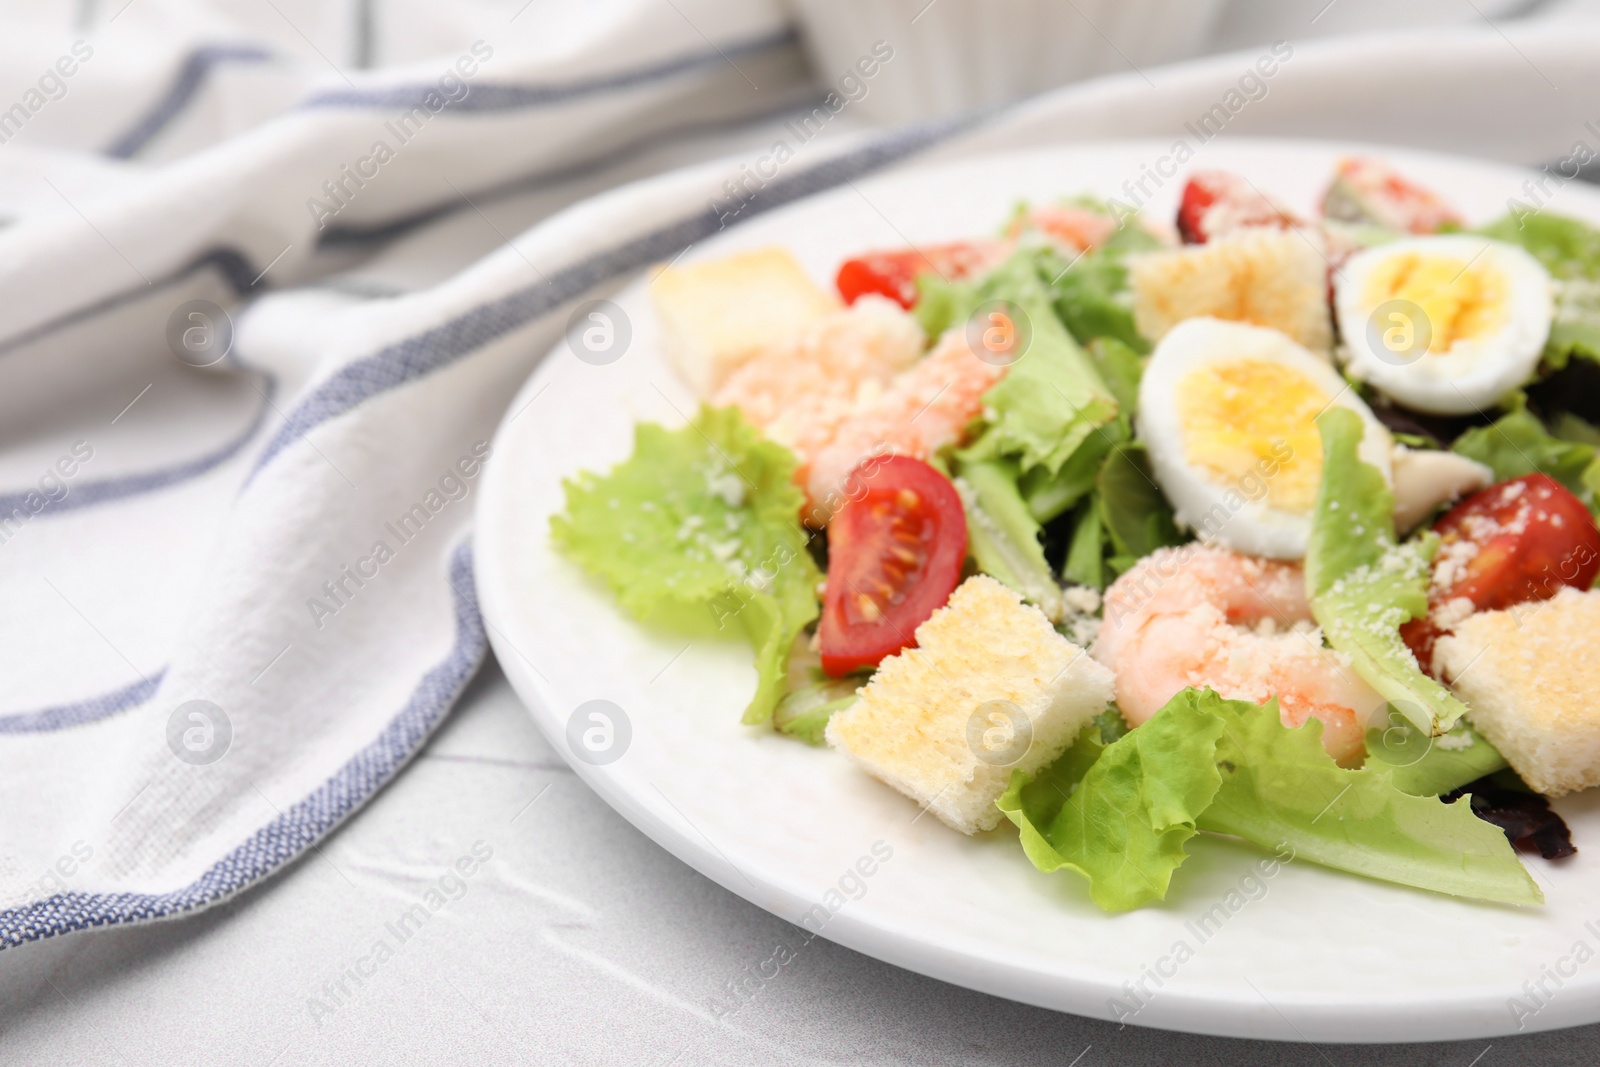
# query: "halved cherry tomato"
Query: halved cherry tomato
{"points": [[895, 552], [1215, 201], [894, 274], [1519, 541]]}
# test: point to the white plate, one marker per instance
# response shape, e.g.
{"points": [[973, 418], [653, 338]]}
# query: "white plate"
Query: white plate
{"points": [[1311, 954]]}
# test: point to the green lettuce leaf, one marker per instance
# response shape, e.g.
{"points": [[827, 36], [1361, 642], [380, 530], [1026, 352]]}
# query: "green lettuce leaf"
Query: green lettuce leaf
{"points": [[1427, 766], [699, 531], [1052, 399], [1363, 584], [1567, 248], [1121, 815], [1575, 328], [812, 696], [941, 303], [1111, 724], [1050, 495], [1003, 535], [1569, 427], [1133, 512], [805, 710], [1051, 423], [1092, 295], [1517, 443], [1570, 251], [1281, 790], [1085, 562], [1122, 368]]}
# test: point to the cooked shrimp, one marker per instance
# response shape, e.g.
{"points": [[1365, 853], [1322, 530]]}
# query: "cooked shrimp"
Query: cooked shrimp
{"points": [[799, 391], [1196, 616], [1076, 227], [925, 408]]}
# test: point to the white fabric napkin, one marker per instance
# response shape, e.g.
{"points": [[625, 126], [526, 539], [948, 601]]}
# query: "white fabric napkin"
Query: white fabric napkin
{"points": [[235, 598]]}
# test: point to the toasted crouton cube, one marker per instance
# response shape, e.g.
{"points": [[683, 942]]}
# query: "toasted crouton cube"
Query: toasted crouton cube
{"points": [[990, 688], [1266, 277], [1532, 685], [716, 315]]}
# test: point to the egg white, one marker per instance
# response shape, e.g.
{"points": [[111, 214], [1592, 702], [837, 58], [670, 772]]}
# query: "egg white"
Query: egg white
{"points": [[1253, 527], [1475, 372]]}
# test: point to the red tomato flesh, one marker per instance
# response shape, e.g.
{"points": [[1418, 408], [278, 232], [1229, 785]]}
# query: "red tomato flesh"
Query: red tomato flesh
{"points": [[895, 552], [894, 274], [1519, 541]]}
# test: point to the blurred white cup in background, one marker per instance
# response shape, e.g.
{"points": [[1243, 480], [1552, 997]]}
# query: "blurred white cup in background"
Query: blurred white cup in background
{"points": [[955, 55]]}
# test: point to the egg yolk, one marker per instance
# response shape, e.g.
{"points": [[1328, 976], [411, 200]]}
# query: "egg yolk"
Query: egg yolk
{"points": [[1461, 298], [1252, 425]]}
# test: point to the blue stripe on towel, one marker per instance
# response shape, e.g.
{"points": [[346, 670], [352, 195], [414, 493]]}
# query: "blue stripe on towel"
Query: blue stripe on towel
{"points": [[423, 353], [486, 96], [191, 76], [235, 269], [303, 824], [87, 494], [89, 710]]}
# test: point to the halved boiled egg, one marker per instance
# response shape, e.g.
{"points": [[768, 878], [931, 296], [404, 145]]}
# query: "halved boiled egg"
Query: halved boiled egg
{"points": [[1446, 324], [1228, 413]]}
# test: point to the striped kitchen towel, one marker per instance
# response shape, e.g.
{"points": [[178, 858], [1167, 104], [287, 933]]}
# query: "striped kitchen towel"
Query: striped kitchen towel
{"points": [[260, 311]]}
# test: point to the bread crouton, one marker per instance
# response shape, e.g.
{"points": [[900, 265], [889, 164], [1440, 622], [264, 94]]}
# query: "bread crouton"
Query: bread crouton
{"points": [[990, 688], [1266, 277], [1533, 685], [716, 315]]}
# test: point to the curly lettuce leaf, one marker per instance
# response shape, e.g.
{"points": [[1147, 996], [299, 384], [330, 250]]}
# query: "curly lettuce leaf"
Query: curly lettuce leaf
{"points": [[1281, 790], [1049, 495], [699, 531], [1052, 399], [1567, 248], [1092, 294], [1575, 328], [941, 303], [1051, 423], [1052, 494], [1120, 815], [1570, 251], [1363, 584]]}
